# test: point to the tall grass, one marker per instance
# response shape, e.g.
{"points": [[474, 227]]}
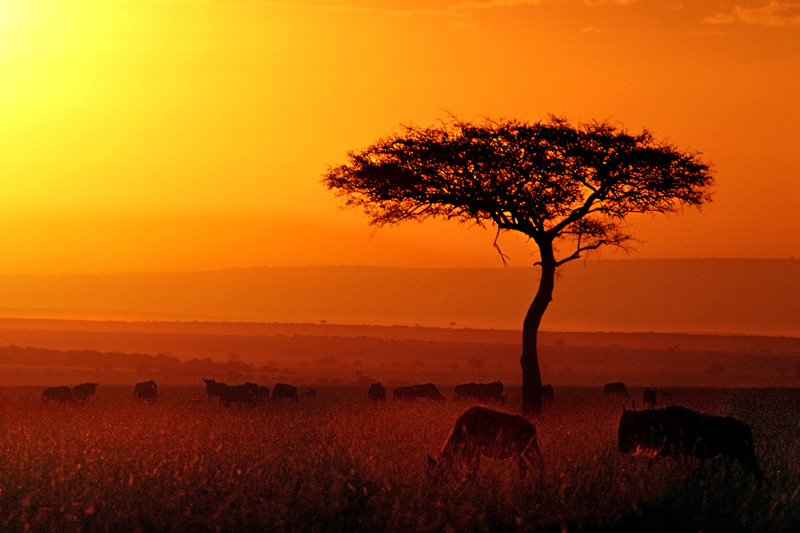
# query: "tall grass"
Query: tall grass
{"points": [[338, 462]]}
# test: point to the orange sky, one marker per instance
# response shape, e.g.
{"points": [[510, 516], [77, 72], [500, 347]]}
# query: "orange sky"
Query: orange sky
{"points": [[142, 135]]}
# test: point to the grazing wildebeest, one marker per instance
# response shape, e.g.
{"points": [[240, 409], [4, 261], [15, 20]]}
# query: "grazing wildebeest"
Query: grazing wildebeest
{"points": [[241, 394], [617, 388], [377, 392], [82, 392], [497, 435], [649, 397], [146, 391], [677, 431], [57, 394], [548, 393], [282, 390], [214, 387], [427, 390], [310, 393], [482, 392], [404, 393], [465, 391], [262, 394]]}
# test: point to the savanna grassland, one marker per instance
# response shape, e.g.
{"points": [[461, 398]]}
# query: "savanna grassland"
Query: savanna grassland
{"points": [[340, 463]]}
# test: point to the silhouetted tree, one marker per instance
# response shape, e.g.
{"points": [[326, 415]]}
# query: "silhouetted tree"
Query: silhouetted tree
{"points": [[554, 182]]}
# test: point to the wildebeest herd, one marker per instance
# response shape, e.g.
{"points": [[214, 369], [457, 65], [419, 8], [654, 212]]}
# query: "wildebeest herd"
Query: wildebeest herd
{"points": [[64, 394], [672, 431]]}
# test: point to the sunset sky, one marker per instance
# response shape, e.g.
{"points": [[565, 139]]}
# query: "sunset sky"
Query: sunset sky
{"points": [[156, 135]]}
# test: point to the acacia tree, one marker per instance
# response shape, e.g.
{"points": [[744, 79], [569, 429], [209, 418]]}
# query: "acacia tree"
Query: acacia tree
{"points": [[568, 188]]}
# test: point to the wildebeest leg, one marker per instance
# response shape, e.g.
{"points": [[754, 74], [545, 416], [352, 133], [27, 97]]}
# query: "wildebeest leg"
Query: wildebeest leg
{"points": [[532, 455]]}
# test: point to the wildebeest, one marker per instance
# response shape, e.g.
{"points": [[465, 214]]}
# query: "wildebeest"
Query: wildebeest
{"points": [[678, 431], [82, 392], [428, 390], [146, 391], [262, 394], [310, 393], [483, 392], [404, 393], [548, 393], [57, 394], [649, 397], [618, 388], [497, 435], [213, 387], [377, 392], [242, 394], [282, 390]]}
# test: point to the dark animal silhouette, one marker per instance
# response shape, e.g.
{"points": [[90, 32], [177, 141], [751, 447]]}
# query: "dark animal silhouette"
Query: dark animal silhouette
{"points": [[649, 397], [677, 431], [84, 391], [57, 394], [239, 394], [494, 434], [548, 393], [377, 392], [262, 394], [146, 391], [283, 391], [482, 392], [404, 393], [428, 390], [618, 388], [213, 387]]}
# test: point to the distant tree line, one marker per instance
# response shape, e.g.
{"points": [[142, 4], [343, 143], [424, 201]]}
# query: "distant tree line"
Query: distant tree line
{"points": [[160, 365]]}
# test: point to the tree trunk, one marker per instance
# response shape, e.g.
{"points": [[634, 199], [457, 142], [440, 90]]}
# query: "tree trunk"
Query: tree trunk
{"points": [[531, 376]]}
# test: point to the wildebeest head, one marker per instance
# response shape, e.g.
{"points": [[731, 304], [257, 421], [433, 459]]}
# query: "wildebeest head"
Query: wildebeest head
{"points": [[638, 430]]}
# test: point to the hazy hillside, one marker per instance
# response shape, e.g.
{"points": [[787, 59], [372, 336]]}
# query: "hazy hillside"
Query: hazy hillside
{"points": [[718, 295], [42, 352]]}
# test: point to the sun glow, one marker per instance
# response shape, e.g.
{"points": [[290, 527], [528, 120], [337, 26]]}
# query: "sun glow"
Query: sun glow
{"points": [[199, 109]]}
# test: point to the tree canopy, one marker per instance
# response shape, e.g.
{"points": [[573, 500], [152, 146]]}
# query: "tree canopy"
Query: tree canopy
{"points": [[546, 180]]}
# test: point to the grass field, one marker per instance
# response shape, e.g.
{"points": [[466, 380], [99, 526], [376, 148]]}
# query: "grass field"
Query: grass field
{"points": [[339, 463]]}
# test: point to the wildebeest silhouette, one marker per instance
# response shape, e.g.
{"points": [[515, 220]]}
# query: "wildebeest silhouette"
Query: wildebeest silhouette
{"points": [[404, 393], [618, 388], [482, 392], [497, 435], [244, 394], [213, 387], [82, 392], [678, 431], [377, 392], [262, 394], [146, 391], [310, 393], [548, 393], [283, 391], [57, 394], [649, 397], [428, 390]]}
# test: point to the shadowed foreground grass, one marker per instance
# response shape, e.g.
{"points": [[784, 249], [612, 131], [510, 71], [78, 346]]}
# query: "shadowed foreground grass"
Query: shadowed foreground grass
{"points": [[337, 462]]}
